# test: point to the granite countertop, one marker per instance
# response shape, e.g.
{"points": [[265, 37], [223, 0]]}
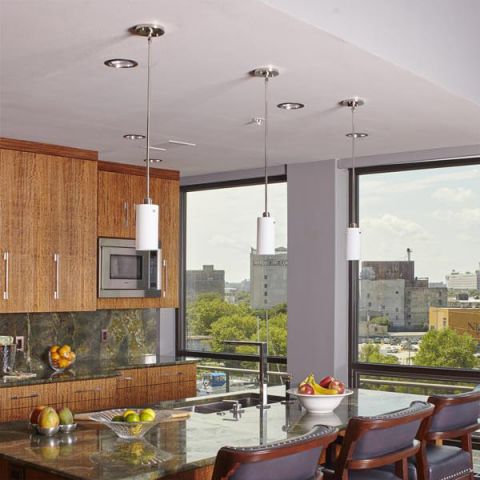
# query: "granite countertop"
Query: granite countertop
{"points": [[172, 447], [94, 368]]}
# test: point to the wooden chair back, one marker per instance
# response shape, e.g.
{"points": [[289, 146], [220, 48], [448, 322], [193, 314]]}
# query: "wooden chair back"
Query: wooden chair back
{"points": [[372, 442], [291, 459]]}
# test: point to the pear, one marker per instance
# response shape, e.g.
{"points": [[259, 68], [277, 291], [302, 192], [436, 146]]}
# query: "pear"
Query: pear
{"points": [[66, 416], [48, 418]]}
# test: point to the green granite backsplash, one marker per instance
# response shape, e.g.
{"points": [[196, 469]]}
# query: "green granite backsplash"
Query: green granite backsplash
{"points": [[131, 333]]}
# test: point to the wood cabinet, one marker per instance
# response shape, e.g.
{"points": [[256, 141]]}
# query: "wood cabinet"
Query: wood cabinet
{"points": [[136, 387], [47, 230], [120, 188], [87, 395], [133, 387]]}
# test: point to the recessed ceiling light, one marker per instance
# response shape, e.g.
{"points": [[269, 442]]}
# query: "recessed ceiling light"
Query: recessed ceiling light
{"points": [[357, 135], [120, 63], [134, 136], [290, 105], [153, 160]]}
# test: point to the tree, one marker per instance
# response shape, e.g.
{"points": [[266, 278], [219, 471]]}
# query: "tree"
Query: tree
{"points": [[379, 321], [446, 348], [370, 353], [277, 334], [207, 309], [233, 327]]}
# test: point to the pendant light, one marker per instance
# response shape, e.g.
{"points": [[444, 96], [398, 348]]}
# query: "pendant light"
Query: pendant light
{"points": [[147, 213], [265, 223], [353, 231]]}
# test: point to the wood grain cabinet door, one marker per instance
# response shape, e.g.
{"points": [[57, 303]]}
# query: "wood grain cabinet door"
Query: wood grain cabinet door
{"points": [[47, 233], [18, 208], [68, 250], [115, 216], [166, 193], [74, 256]]}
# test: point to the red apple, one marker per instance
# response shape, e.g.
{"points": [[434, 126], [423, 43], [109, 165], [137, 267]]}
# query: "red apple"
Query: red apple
{"points": [[337, 385], [306, 389], [36, 413], [325, 382]]}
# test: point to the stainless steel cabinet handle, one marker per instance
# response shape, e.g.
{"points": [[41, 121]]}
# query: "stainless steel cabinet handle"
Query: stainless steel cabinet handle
{"points": [[125, 211], [164, 289], [125, 378], [56, 292], [16, 397], [5, 291]]}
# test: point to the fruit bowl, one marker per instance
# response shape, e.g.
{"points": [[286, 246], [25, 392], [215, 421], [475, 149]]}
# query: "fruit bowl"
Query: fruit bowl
{"points": [[61, 358], [130, 454], [126, 430], [320, 403]]}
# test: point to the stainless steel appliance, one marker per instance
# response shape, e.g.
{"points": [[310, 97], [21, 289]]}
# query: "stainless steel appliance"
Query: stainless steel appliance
{"points": [[126, 272]]}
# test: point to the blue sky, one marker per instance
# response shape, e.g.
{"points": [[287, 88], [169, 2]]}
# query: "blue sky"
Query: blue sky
{"points": [[221, 226], [435, 212]]}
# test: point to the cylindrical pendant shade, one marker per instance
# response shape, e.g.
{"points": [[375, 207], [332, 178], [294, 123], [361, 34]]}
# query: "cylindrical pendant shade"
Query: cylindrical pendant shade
{"points": [[353, 243], [265, 236], [146, 237]]}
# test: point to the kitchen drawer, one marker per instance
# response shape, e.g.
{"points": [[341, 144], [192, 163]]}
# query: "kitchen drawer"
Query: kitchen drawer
{"points": [[131, 397], [159, 375], [27, 397], [171, 374], [132, 378], [87, 394]]}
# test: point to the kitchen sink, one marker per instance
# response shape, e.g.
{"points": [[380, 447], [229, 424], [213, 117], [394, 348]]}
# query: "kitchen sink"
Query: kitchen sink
{"points": [[227, 403]]}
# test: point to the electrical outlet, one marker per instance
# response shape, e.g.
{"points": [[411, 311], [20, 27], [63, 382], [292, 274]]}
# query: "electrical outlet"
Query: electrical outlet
{"points": [[20, 343], [104, 335]]}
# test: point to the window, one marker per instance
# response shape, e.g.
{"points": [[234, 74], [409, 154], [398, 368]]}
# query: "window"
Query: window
{"points": [[420, 231], [225, 280]]}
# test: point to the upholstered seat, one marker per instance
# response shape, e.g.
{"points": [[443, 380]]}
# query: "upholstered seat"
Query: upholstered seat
{"points": [[371, 443], [446, 462], [291, 459], [455, 417]]}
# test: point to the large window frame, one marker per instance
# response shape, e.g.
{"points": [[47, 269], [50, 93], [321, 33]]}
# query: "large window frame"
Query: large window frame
{"points": [[181, 329], [357, 368]]}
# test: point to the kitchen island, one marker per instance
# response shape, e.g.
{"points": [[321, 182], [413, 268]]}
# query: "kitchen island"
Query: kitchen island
{"points": [[181, 449]]}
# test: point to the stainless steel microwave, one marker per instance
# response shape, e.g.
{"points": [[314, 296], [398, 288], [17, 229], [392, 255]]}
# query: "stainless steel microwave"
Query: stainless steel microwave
{"points": [[126, 272]]}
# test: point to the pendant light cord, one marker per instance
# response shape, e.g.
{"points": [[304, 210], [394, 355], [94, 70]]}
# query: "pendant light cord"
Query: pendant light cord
{"points": [[148, 200], [354, 135], [266, 213]]}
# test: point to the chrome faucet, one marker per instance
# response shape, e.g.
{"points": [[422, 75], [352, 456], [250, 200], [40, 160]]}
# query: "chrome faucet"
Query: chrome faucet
{"points": [[263, 366]]}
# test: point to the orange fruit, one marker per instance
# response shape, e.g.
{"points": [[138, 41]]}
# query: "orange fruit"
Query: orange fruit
{"points": [[63, 363], [54, 348], [64, 351], [54, 356], [72, 356]]}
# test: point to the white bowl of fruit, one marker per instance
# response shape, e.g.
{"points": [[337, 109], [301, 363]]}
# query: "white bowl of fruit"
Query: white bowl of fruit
{"points": [[323, 397]]}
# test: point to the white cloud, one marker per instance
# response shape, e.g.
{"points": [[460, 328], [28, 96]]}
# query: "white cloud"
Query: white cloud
{"points": [[389, 185], [463, 217], [451, 195], [392, 226]]}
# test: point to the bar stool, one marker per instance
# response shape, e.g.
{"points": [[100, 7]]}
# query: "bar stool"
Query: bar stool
{"points": [[374, 442], [291, 459], [454, 417]]}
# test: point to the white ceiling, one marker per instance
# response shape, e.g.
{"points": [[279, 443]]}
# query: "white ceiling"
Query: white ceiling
{"points": [[416, 67]]}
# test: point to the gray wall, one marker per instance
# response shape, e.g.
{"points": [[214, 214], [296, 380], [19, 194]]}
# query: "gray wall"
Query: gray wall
{"points": [[317, 270]]}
